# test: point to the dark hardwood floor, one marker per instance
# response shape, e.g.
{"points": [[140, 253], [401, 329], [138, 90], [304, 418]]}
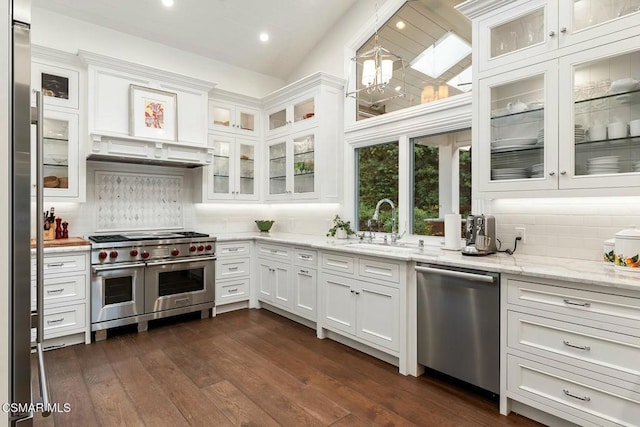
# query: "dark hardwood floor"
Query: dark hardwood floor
{"points": [[248, 368]]}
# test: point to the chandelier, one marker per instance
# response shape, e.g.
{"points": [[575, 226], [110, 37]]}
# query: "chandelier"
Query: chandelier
{"points": [[378, 65]]}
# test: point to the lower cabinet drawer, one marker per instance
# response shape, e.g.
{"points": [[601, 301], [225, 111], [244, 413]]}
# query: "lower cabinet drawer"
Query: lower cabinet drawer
{"points": [[54, 264], [386, 270], [274, 252], [568, 342], [232, 291], [60, 289], [580, 396], [60, 321], [338, 263], [228, 249], [230, 268]]}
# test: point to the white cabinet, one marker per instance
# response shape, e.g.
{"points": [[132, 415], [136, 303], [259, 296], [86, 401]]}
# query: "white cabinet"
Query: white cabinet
{"points": [[66, 297], [304, 140], [551, 110], [57, 76], [234, 118], [233, 174], [292, 166], [233, 272], [572, 350], [361, 298], [274, 283], [305, 285]]}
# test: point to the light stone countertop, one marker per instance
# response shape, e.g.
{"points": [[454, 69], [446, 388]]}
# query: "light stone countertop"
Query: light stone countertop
{"points": [[576, 271]]}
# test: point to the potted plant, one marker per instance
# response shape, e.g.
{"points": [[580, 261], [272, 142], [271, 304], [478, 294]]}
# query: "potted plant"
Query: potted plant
{"points": [[341, 229]]}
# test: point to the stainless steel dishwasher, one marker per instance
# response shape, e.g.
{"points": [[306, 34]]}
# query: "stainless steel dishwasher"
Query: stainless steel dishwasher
{"points": [[459, 324]]}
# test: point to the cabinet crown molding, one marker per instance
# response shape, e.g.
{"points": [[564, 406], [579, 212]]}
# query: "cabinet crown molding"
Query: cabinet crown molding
{"points": [[111, 63], [235, 98], [55, 55], [305, 83], [475, 8]]}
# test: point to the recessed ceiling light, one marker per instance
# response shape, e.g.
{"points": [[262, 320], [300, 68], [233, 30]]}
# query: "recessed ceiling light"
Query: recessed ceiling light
{"points": [[400, 25], [264, 37], [167, 3]]}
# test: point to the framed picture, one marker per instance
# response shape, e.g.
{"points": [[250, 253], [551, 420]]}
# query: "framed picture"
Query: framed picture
{"points": [[153, 113]]}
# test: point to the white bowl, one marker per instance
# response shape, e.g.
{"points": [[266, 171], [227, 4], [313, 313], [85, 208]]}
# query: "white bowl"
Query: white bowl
{"points": [[617, 130], [623, 85]]}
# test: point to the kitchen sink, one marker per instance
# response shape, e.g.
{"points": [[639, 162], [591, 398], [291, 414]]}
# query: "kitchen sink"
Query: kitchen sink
{"points": [[400, 247]]}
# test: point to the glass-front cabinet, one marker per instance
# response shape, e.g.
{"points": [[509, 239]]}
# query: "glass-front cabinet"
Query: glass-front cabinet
{"points": [[233, 172], [291, 117], [233, 118], [602, 104], [518, 130], [291, 164], [60, 154]]}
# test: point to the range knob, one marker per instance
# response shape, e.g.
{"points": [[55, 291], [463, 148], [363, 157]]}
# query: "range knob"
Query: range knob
{"points": [[192, 248], [208, 247], [134, 252], [175, 252], [102, 255], [200, 248], [145, 254], [113, 254]]}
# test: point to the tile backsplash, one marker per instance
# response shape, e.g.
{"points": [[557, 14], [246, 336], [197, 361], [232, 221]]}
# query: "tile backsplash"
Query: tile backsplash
{"points": [[567, 228]]}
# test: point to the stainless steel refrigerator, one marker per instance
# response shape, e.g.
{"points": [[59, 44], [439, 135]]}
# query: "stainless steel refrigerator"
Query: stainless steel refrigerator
{"points": [[21, 318]]}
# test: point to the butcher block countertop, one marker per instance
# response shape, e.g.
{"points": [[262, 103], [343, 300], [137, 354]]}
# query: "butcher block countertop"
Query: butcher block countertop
{"points": [[66, 245]]}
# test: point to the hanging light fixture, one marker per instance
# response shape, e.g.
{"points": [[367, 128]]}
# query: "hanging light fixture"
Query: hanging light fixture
{"points": [[377, 66]]}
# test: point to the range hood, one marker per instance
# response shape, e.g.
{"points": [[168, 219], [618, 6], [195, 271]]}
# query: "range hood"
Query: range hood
{"points": [[127, 149]]}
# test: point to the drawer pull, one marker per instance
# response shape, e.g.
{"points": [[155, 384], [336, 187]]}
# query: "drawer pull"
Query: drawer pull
{"points": [[579, 304], [181, 300], [583, 398], [50, 322], [232, 290], [55, 291], [579, 347], [305, 256], [304, 271], [233, 249], [233, 268], [55, 264]]}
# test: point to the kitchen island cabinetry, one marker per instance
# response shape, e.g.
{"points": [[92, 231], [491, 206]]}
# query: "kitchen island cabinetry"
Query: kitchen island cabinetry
{"points": [[304, 140], [233, 272], [57, 76], [571, 350], [558, 119], [66, 297]]}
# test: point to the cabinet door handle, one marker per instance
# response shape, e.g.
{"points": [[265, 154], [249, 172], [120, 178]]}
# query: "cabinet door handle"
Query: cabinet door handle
{"points": [[552, 33], [55, 291], [579, 304], [49, 322], [563, 173], [552, 173], [305, 256], [563, 30], [352, 291], [357, 293], [579, 347], [304, 271], [568, 393]]}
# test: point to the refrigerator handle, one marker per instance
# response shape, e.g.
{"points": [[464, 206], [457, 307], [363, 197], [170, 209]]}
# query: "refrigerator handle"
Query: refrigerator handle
{"points": [[38, 121]]}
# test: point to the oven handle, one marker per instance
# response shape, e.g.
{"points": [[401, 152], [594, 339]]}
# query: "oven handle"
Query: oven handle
{"points": [[181, 261], [116, 267]]}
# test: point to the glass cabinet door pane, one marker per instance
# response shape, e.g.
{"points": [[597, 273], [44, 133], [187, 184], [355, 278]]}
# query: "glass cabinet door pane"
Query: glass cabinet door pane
{"points": [[247, 121], [221, 164], [278, 119], [606, 116], [304, 110], [524, 31], [588, 13], [517, 130], [303, 164], [278, 168], [221, 116], [56, 153], [247, 169]]}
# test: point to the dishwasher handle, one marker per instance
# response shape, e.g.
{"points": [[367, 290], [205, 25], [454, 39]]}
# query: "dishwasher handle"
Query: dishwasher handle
{"points": [[458, 274]]}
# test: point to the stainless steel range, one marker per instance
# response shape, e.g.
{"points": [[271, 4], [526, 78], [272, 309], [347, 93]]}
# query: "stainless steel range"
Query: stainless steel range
{"points": [[137, 277]]}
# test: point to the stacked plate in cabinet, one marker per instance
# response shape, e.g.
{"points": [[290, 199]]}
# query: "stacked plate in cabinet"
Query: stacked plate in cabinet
{"points": [[509, 144], [509, 173], [540, 137], [579, 134], [537, 170], [603, 165]]}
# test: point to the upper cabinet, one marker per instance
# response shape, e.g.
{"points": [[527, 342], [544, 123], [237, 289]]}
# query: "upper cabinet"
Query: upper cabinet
{"points": [[57, 76], [528, 31], [235, 114], [147, 115], [556, 115], [304, 140]]}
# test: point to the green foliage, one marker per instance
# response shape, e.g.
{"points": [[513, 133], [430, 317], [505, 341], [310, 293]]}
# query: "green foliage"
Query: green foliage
{"points": [[340, 224], [377, 179]]}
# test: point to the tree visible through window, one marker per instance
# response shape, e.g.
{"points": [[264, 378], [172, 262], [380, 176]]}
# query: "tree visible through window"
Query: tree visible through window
{"points": [[377, 179]]}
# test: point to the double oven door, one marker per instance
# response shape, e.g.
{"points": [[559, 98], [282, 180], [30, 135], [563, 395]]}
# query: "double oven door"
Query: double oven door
{"points": [[179, 283], [117, 292]]}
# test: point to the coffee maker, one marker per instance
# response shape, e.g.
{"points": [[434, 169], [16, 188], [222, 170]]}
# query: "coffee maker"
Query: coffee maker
{"points": [[480, 235]]}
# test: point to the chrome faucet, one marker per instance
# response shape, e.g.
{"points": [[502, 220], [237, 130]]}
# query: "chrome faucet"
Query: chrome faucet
{"points": [[376, 215]]}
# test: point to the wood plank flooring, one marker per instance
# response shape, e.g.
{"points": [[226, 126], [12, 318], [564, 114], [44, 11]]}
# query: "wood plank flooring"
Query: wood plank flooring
{"points": [[248, 368]]}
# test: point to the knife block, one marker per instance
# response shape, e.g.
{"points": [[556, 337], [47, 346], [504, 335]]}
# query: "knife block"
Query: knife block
{"points": [[49, 234]]}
